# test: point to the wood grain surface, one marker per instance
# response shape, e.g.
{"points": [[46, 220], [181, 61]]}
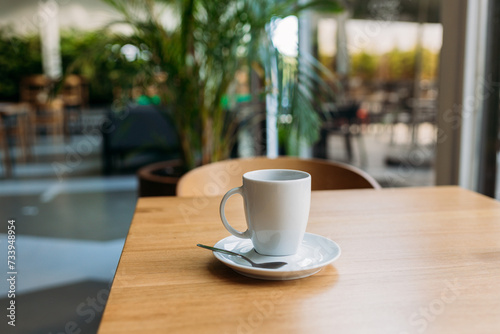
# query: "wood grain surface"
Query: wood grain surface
{"points": [[414, 260]]}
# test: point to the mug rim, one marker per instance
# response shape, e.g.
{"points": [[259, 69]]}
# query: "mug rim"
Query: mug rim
{"points": [[250, 177]]}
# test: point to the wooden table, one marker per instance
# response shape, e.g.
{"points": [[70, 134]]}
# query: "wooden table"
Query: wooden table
{"points": [[413, 260]]}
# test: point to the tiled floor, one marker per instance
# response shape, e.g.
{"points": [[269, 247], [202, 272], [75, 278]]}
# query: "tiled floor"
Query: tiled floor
{"points": [[72, 222]]}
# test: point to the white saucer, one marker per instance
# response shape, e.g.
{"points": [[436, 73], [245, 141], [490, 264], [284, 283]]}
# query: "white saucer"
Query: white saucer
{"points": [[314, 253]]}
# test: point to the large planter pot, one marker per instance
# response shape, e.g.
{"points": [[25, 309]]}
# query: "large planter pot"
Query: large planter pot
{"points": [[160, 179]]}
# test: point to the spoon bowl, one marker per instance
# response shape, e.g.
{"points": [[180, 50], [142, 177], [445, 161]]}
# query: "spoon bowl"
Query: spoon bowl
{"points": [[265, 265]]}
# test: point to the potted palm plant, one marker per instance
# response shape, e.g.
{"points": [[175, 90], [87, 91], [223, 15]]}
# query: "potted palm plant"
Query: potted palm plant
{"points": [[198, 45]]}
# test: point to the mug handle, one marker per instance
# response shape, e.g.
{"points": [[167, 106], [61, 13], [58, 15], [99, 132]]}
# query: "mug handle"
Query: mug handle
{"points": [[242, 235]]}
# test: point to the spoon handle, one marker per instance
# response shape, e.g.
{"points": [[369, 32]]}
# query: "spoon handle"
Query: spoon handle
{"points": [[220, 250]]}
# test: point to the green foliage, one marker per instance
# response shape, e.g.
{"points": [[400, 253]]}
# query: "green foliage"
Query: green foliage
{"points": [[200, 53], [394, 65], [98, 57], [302, 88], [400, 64], [94, 54], [19, 56], [430, 64], [364, 65]]}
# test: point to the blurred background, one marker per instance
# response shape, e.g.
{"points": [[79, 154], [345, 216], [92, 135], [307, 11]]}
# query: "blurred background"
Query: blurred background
{"points": [[92, 92]]}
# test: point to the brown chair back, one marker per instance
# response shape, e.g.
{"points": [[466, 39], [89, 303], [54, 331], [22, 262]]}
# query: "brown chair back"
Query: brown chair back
{"points": [[74, 92], [219, 177], [35, 89]]}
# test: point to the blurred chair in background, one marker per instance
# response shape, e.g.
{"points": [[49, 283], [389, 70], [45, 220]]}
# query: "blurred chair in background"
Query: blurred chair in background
{"points": [[74, 94], [344, 121], [6, 162], [14, 125], [47, 111]]}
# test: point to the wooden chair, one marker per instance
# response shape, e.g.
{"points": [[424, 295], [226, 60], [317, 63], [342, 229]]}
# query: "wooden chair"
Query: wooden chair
{"points": [[18, 126], [47, 112], [217, 178], [35, 89], [74, 94], [6, 162]]}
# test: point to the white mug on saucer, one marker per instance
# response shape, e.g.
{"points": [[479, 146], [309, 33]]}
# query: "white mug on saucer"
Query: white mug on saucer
{"points": [[277, 205]]}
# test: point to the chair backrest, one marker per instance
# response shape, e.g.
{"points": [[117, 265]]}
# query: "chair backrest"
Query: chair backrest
{"points": [[35, 89], [217, 178], [73, 91]]}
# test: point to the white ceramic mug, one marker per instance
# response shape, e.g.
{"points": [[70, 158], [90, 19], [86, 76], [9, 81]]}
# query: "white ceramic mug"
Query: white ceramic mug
{"points": [[277, 205]]}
